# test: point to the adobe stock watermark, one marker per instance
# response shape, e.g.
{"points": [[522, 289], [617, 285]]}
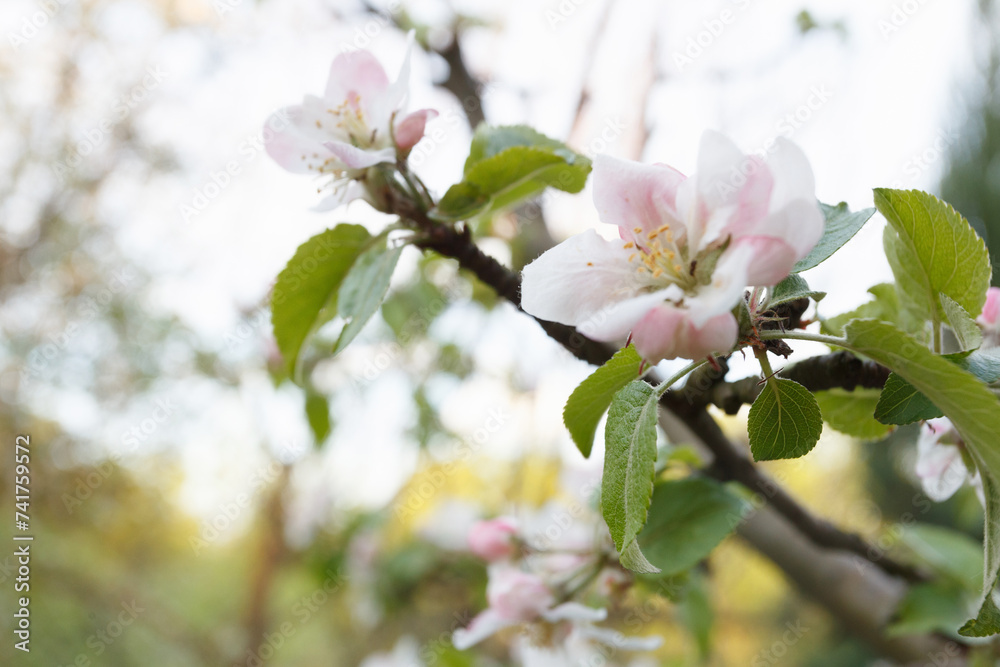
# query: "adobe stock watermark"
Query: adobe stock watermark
{"points": [[219, 180], [900, 15], [773, 654], [433, 481], [920, 162], [365, 34], [786, 127], [164, 410], [43, 354], [712, 29], [36, 22], [562, 12], [303, 611], [230, 511], [121, 108], [105, 636]]}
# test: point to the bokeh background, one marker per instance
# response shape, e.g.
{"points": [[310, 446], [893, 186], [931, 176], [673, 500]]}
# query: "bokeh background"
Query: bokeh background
{"points": [[176, 475]]}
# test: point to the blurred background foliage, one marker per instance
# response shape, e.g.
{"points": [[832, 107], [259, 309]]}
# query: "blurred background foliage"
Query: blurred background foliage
{"points": [[88, 349]]}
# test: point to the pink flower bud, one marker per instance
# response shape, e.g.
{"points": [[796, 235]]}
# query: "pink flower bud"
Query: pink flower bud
{"points": [[494, 539]]}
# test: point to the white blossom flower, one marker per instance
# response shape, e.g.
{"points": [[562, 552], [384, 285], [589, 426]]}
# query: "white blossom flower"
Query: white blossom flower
{"points": [[688, 249], [358, 123]]}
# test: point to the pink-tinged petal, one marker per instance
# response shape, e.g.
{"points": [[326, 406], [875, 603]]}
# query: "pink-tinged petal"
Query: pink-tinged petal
{"points": [[721, 169], [357, 158], [630, 195], [411, 129], [486, 624], [615, 321], [939, 464], [355, 75], [667, 332], [393, 98], [793, 176], [800, 223], [772, 259], [494, 539], [579, 279], [753, 200], [729, 281], [516, 595], [290, 147], [574, 611], [991, 309]]}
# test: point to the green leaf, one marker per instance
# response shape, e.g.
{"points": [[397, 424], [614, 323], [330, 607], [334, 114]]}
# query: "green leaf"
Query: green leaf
{"points": [[318, 414], [948, 552], [687, 519], [784, 422], [884, 306], [695, 611], [629, 464], [305, 293], [364, 288], [972, 408], [929, 608], [590, 400], [792, 288], [852, 412], [986, 623], [967, 331], [932, 250], [507, 165], [490, 140], [841, 226], [901, 403]]}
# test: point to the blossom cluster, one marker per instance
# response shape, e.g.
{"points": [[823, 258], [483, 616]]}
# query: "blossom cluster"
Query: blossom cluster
{"points": [[536, 579]]}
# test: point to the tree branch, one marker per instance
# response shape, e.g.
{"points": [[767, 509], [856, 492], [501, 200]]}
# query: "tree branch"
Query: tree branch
{"points": [[730, 463]]}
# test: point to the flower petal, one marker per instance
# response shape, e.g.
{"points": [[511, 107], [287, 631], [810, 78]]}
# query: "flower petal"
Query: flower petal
{"points": [[729, 280], [771, 260], [667, 332], [357, 158], [574, 611], [487, 623], [619, 641], [355, 73], [580, 281], [411, 129], [630, 194], [291, 148], [939, 464], [991, 310], [719, 175], [793, 176]]}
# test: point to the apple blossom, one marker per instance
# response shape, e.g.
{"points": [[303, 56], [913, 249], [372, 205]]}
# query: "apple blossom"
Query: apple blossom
{"points": [[688, 248], [517, 597], [494, 539], [990, 318], [940, 464], [357, 124]]}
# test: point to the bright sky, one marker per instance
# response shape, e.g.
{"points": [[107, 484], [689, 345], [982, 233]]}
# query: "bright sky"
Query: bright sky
{"points": [[867, 104]]}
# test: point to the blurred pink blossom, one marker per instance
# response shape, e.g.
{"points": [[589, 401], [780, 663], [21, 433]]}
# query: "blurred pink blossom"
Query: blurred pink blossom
{"points": [[494, 539]]}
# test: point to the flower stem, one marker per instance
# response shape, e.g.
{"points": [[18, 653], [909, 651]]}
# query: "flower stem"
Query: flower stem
{"points": [[805, 335], [661, 388]]}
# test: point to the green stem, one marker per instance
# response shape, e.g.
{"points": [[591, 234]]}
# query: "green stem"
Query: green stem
{"points": [[805, 335], [661, 388], [936, 335], [765, 363]]}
